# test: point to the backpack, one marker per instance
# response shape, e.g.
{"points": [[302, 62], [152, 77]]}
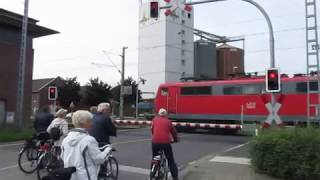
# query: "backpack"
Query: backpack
{"points": [[55, 133]]}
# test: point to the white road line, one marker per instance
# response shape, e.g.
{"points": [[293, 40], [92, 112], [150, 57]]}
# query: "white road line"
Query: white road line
{"points": [[235, 147], [12, 144], [134, 169], [232, 160], [8, 167]]}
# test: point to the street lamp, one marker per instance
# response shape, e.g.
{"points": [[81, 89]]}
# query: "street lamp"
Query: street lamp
{"points": [[141, 80]]}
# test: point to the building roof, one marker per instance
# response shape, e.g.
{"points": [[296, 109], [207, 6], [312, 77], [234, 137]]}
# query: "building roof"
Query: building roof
{"points": [[227, 46], [39, 84], [14, 21]]}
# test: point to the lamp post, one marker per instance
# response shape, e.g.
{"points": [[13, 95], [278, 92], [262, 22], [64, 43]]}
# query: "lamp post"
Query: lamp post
{"points": [[141, 80]]}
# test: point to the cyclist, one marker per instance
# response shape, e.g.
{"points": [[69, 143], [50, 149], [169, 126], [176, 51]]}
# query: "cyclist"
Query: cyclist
{"points": [[42, 120], [58, 129], [102, 125], [163, 133], [80, 150]]}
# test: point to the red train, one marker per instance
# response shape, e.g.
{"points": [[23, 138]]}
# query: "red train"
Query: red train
{"points": [[231, 101]]}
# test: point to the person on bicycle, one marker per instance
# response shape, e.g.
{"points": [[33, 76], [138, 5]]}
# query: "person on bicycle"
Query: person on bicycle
{"points": [[163, 134], [102, 125], [80, 150], [42, 120], [59, 127]]}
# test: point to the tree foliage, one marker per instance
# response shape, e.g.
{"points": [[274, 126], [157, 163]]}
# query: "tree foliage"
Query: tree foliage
{"points": [[69, 91], [128, 99], [96, 91]]}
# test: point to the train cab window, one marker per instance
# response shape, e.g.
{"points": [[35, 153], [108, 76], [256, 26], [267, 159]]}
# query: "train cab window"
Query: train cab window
{"points": [[164, 91], [232, 90], [197, 90], [302, 87]]}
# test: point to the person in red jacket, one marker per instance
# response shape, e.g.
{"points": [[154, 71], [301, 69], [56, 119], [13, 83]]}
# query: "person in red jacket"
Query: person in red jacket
{"points": [[163, 134]]}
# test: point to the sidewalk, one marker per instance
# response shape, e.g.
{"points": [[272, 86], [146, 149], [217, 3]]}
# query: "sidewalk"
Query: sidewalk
{"points": [[232, 165]]}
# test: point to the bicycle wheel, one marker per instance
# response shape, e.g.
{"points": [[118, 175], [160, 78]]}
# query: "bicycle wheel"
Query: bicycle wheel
{"points": [[112, 168], [43, 165], [27, 159]]}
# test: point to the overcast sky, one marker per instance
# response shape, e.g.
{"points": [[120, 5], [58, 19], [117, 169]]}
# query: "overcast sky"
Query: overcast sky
{"points": [[87, 27]]}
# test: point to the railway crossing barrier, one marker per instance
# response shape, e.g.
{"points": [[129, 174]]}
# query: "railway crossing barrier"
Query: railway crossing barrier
{"points": [[182, 124]]}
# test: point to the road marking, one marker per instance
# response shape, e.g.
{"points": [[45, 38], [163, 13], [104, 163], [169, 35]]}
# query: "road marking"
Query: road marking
{"points": [[12, 144], [232, 160], [142, 140], [9, 167], [235, 147], [134, 169]]}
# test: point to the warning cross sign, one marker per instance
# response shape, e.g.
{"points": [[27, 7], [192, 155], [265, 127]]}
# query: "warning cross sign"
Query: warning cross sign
{"points": [[175, 4]]}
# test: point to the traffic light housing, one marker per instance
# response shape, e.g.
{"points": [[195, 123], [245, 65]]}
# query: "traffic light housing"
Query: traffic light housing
{"points": [[154, 9], [52, 93], [273, 80]]}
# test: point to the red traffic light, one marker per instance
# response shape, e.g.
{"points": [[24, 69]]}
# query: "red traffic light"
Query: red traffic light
{"points": [[154, 9], [52, 93], [272, 75], [273, 80]]}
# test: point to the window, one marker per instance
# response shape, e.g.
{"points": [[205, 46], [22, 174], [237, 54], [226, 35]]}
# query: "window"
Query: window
{"points": [[183, 41], [164, 91], [197, 90], [251, 89], [189, 15], [302, 87], [232, 90], [183, 62]]}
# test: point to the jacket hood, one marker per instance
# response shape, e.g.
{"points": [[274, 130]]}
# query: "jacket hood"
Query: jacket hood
{"points": [[75, 137]]}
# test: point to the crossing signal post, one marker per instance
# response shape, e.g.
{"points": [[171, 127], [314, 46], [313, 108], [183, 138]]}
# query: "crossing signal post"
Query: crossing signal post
{"points": [[273, 80], [154, 9], [53, 96]]}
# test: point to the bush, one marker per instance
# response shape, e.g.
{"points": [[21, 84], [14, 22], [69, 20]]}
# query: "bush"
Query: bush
{"points": [[11, 135], [287, 153]]}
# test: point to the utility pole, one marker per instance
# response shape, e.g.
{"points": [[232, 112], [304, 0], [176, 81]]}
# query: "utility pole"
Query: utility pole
{"points": [[21, 67], [122, 82]]}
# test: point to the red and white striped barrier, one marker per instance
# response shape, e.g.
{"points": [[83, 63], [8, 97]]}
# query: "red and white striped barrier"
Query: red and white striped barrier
{"points": [[183, 124]]}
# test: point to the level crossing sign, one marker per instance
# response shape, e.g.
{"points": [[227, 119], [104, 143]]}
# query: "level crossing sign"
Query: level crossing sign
{"points": [[175, 4], [273, 111]]}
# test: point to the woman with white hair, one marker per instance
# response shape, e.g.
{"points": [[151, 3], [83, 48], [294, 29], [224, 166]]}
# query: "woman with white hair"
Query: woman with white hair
{"points": [[163, 134], [61, 124], [80, 150]]}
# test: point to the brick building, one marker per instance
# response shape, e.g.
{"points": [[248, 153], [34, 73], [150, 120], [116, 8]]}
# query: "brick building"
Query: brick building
{"points": [[10, 35]]}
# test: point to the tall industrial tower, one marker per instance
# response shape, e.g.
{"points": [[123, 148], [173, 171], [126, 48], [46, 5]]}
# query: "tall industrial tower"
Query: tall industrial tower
{"points": [[165, 47]]}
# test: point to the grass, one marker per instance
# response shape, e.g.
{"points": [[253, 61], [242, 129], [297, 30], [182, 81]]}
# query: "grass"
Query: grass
{"points": [[12, 135]]}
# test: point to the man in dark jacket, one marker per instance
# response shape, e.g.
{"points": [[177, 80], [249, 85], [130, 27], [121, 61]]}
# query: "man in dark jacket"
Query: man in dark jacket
{"points": [[42, 120], [102, 125]]}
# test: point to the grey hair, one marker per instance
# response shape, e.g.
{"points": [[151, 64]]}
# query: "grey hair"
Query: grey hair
{"points": [[103, 106], [80, 118]]}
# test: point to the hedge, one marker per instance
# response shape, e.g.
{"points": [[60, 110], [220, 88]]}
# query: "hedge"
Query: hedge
{"points": [[287, 153]]}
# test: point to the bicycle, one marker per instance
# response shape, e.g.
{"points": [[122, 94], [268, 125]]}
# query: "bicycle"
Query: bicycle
{"points": [[30, 151], [48, 160], [110, 167], [159, 167]]}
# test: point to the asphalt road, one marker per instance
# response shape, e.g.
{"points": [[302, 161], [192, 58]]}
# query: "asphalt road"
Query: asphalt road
{"points": [[134, 152]]}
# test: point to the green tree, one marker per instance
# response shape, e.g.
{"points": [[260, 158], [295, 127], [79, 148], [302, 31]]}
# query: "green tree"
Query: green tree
{"points": [[69, 92], [128, 99], [96, 91]]}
